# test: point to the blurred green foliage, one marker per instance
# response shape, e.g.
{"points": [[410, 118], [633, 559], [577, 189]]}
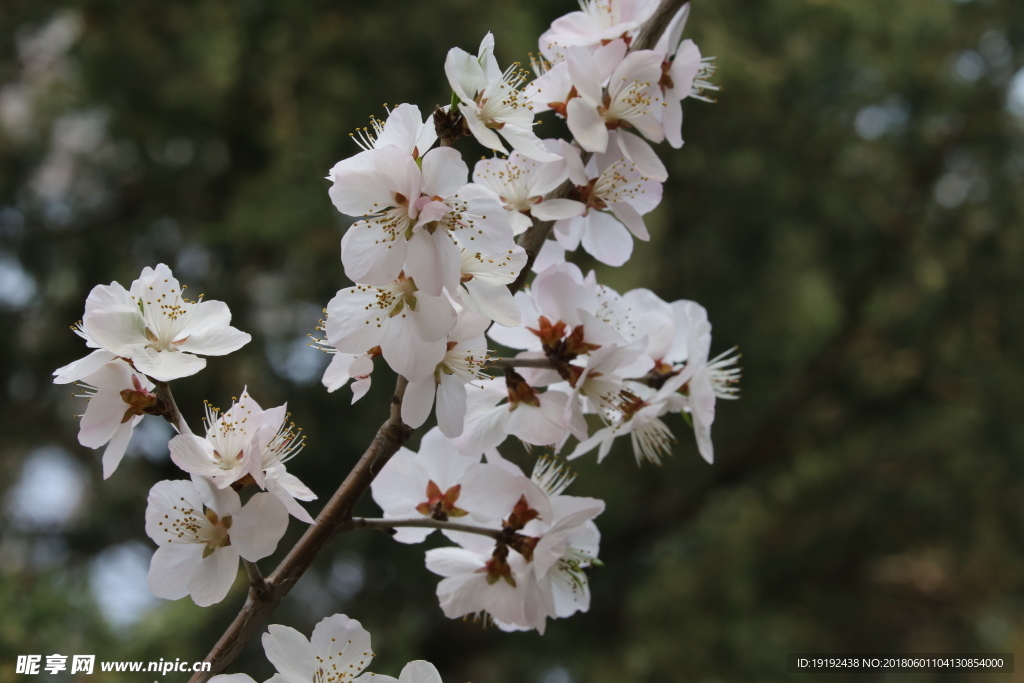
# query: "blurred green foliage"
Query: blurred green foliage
{"points": [[850, 213]]}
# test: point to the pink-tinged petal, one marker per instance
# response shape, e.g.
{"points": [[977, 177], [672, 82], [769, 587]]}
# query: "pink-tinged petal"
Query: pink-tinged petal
{"points": [[371, 254], [551, 254], [195, 456], [649, 126], [670, 38], [407, 354], [355, 323], [362, 192], [539, 426], [702, 401], [217, 341], [631, 219], [83, 367], [119, 331], [258, 526], [574, 163], [441, 461], [171, 567], [289, 483], [444, 172], [337, 373], [672, 122], [165, 366], [419, 399], [569, 593], [484, 135], [400, 486], [405, 129], [526, 142], [587, 126], [489, 492], [224, 501], [342, 641], [408, 534], [164, 496], [290, 653], [110, 296], [208, 315], [232, 678], [213, 578], [640, 152], [359, 389], [434, 317], [520, 222], [684, 68], [363, 161], [464, 73], [451, 405], [484, 430], [607, 58], [606, 239], [433, 261], [493, 301], [419, 671], [291, 505], [449, 562], [118, 445], [584, 75], [557, 209], [106, 409], [489, 231]]}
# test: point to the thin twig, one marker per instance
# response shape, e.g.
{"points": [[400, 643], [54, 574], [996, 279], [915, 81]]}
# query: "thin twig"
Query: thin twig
{"points": [[422, 522], [255, 577], [163, 390]]}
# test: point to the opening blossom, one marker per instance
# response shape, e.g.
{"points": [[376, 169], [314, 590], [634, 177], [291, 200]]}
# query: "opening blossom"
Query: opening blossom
{"points": [[155, 327], [201, 532], [338, 652], [246, 440], [492, 100]]}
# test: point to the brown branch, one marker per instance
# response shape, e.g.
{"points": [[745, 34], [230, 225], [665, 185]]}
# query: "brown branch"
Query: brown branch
{"points": [[255, 577], [163, 390], [422, 522], [336, 516]]}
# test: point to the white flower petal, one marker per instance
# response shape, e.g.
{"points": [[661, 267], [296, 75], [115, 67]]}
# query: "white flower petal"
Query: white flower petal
{"points": [[213, 578], [171, 567], [290, 653], [258, 526]]}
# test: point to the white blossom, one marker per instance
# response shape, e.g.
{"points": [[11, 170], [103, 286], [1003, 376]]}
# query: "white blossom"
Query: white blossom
{"points": [[492, 100], [439, 483], [155, 327], [201, 532]]}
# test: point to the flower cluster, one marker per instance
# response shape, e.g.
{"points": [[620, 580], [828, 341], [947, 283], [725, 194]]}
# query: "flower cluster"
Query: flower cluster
{"points": [[149, 334], [438, 279], [522, 545]]}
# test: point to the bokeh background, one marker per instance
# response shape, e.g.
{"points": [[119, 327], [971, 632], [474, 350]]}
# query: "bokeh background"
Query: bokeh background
{"points": [[850, 213]]}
